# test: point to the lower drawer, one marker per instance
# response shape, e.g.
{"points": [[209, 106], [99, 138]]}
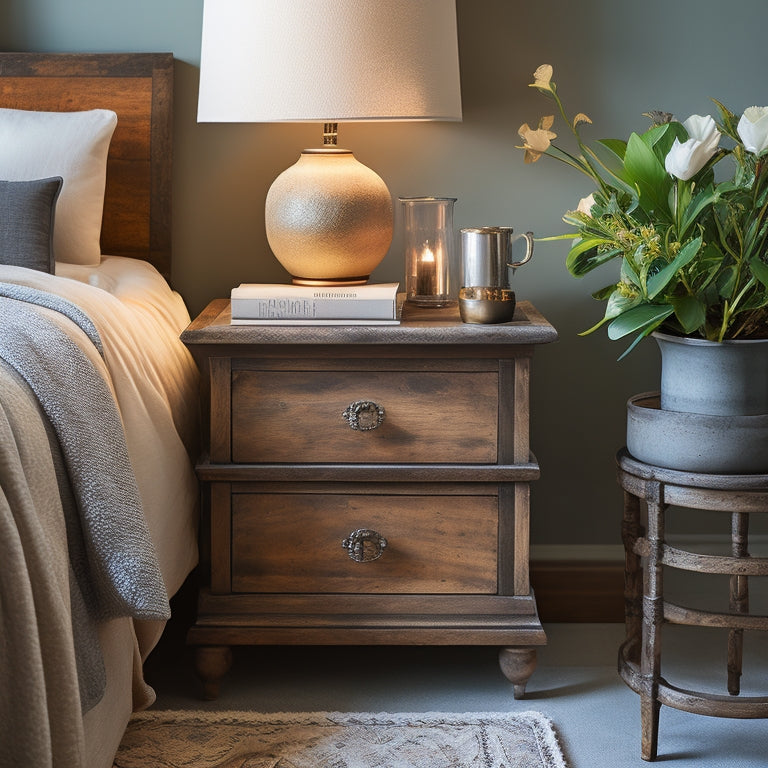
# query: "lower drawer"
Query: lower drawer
{"points": [[292, 542]]}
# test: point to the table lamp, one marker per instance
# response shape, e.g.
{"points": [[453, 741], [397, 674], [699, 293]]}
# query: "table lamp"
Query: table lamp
{"points": [[329, 217]]}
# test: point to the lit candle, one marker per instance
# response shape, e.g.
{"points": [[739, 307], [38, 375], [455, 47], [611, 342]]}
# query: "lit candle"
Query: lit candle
{"points": [[426, 273]]}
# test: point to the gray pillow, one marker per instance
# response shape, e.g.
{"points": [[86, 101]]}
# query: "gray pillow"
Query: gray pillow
{"points": [[27, 210]]}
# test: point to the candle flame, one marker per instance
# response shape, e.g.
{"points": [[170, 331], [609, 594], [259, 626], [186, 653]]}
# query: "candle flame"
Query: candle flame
{"points": [[427, 255]]}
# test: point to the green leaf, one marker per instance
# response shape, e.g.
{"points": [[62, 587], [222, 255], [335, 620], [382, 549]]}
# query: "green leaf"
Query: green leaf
{"points": [[760, 270], [690, 312], [726, 281], [654, 133], [705, 269], [585, 256], [589, 226], [679, 198], [755, 299], [649, 176], [754, 235], [639, 162], [640, 336], [617, 146], [658, 282], [705, 198], [660, 138], [610, 153], [728, 119], [617, 305], [604, 293], [628, 273], [637, 319]]}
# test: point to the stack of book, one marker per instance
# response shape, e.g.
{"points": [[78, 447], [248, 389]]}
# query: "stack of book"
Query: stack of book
{"points": [[278, 304]]}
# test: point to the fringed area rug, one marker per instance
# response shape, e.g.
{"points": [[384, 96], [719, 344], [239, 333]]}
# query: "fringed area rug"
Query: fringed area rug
{"points": [[187, 739]]}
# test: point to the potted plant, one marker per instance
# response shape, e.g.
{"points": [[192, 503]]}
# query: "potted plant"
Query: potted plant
{"points": [[682, 208]]}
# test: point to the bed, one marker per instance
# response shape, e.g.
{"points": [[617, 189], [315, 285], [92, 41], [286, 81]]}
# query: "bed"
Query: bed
{"points": [[98, 400]]}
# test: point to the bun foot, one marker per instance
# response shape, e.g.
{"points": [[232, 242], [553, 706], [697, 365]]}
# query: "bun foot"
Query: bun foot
{"points": [[212, 662], [518, 665]]}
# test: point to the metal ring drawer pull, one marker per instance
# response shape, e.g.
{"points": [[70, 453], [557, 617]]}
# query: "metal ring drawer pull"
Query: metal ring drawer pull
{"points": [[364, 545], [363, 415]]}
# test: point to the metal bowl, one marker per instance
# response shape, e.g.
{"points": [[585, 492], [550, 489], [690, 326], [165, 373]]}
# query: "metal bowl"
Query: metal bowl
{"points": [[695, 442], [486, 305]]}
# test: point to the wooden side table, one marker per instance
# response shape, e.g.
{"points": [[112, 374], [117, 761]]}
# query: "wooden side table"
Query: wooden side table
{"points": [[367, 485], [647, 552]]}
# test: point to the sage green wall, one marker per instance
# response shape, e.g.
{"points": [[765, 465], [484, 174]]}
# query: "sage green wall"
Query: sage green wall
{"points": [[613, 60]]}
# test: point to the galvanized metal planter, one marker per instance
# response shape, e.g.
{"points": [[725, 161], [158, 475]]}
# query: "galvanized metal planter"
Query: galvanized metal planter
{"points": [[728, 378], [694, 442], [711, 415]]}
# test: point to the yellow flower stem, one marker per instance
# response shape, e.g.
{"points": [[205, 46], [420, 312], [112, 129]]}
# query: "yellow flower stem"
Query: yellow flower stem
{"points": [[681, 272], [603, 186], [756, 191], [568, 159], [586, 166], [726, 321], [730, 308], [552, 238], [756, 184], [724, 240]]}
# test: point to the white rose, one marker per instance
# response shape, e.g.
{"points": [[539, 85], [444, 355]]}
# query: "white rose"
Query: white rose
{"points": [[753, 129], [686, 159]]}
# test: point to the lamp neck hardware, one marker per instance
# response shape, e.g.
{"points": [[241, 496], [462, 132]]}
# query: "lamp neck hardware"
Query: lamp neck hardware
{"points": [[330, 134]]}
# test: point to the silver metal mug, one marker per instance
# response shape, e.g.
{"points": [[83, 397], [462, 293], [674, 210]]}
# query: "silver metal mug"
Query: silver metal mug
{"points": [[486, 255]]}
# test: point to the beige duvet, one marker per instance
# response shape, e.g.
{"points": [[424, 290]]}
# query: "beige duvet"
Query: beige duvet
{"points": [[154, 381]]}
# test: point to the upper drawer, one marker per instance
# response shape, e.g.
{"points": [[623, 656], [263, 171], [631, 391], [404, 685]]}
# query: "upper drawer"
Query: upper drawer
{"points": [[428, 417]]}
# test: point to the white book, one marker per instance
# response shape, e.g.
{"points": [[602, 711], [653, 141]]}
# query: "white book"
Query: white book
{"points": [[314, 321], [275, 301]]}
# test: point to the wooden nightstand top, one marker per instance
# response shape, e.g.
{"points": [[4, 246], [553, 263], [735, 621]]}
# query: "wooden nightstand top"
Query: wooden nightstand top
{"points": [[418, 326]]}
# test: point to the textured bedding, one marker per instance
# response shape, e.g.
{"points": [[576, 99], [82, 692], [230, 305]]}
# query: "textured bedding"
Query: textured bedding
{"points": [[98, 499], [110, 547]]}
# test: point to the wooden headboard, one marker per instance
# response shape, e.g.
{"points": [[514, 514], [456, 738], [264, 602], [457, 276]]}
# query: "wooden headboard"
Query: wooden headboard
{"points": [[139, 88]]}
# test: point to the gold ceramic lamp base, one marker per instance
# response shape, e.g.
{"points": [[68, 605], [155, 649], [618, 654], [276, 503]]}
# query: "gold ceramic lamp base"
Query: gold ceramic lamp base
{"points": [[337, 281], [329, 218]]}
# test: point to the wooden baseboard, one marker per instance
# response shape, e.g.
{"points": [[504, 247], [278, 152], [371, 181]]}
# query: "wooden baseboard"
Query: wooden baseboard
{"points": [[578, 590]]}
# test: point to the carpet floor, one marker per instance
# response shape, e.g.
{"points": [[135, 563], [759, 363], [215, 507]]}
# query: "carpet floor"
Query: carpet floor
{"points": [[196, 739]]}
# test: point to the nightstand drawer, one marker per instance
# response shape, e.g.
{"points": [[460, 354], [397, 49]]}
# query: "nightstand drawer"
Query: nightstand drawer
{"points": [[298, 416], [292, 542]]}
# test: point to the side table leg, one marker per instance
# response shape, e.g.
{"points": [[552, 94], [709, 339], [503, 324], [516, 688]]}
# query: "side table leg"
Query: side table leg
{"points": [[212, 662], [653, 617], [517, 664], [738, 600], [649, 721], [631, 531], [735, 656]]}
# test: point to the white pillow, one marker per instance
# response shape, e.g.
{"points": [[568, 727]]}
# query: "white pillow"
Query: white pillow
{"points": [[73, 145]]}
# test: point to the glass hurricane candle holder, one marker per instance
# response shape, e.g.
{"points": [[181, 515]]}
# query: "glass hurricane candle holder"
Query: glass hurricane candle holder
{"points": [[428, 238]]}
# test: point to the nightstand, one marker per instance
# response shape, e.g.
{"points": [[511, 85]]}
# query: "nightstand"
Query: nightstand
{"points": [[367, 485]]}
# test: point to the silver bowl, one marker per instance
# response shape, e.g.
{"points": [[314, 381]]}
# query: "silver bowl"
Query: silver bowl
{"points": [[486, 305]]}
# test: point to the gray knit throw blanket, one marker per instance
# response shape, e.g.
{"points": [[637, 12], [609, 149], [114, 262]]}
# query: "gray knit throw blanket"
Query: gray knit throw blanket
{"points": [[118, 561]]}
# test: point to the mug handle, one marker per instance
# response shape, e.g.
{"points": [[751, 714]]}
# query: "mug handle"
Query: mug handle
{"points": [[528, 250]]}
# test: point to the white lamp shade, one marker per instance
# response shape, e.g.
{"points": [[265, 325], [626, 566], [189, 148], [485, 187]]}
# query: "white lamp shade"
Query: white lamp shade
{"points": [[329, 60]]}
